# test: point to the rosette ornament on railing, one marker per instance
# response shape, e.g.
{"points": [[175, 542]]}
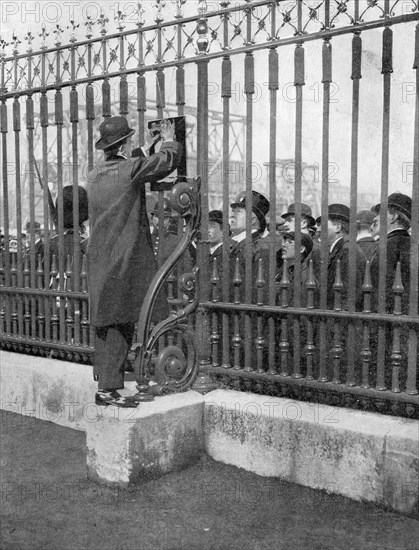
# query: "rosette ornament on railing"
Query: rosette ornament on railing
{"points": [[172, 368]]}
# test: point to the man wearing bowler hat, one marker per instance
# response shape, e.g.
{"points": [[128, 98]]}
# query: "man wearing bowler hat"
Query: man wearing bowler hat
{"points": [[399, 213], [120, 257], [308, 223], [338, 241], [290, 255], [259, 209]]}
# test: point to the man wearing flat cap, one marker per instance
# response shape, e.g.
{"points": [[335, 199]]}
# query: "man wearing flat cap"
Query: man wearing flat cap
{"points": [[120, 257], [364, 238], [399, 213], [338, 241]]}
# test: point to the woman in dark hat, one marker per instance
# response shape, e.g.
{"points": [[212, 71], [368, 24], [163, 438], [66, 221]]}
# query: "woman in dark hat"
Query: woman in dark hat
{"points": [[120, 258]]}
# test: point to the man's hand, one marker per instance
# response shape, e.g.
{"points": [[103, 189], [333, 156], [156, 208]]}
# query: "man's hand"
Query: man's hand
{"points": [[167, 130], [150, 139]]}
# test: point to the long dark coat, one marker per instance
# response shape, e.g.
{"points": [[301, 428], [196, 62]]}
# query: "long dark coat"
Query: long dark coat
{"points": [[120, 257], [398, 249], [341, 252], [368, 245]]}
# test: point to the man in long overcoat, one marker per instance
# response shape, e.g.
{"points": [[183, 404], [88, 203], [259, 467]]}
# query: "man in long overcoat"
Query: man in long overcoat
{"points": [[399, 213], [120, 258], [338, 240]]}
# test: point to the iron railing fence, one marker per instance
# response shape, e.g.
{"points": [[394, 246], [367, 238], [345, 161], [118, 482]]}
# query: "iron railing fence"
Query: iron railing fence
{"points": [[255, 329]]}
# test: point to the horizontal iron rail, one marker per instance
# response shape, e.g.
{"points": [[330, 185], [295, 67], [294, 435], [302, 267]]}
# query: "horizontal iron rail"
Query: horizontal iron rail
{"points": [[329, 33], [182, 21], [146, 28], [356, 391], [354, 316], [41, 292], [9, 339]]}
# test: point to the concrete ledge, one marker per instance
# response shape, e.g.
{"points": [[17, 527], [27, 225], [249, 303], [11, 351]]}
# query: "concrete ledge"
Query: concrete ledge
{"points": [[363, 456], [126, 445], [48, 389]]}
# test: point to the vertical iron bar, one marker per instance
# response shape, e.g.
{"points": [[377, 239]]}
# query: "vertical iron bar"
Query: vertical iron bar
{"points": [[237, 339], [30, 126], [90, 110], [396, 357], [59, 121], [310, 347], [47, 213], [226, 96], [18, 192], [366, 347], [141, 88], [215, 335], [299, 82], [74, 119], [386, 71], [6, 265], [260, 340], [284, 344], [53, 285], [249, 90], [273, 86], [355, 76], [324, 248]]}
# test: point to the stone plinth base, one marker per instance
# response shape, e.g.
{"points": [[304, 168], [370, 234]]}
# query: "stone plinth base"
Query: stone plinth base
{"points": [[126, 445], [48, 389], [363, 456]]}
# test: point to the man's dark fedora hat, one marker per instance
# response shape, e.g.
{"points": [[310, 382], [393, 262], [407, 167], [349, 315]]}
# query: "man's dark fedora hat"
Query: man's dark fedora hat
{"points": [[336, 212], [400, 202], [68, 206], [305, 211], [216, 216], [306, 240], [112, 130], [260, 206]]}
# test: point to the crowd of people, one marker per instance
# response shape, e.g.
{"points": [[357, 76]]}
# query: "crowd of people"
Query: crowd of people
{"points": [[398, 249]]}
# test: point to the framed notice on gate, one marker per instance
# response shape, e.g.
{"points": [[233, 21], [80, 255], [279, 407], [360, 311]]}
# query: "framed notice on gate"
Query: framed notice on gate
{"points": [[180, 136]]}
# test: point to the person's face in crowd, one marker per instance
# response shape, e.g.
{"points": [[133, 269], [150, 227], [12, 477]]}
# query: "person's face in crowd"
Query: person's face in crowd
{"points": [[238, 220], [288, 249], [375, 227], [215, 232], [333, 231], [289, 224]]}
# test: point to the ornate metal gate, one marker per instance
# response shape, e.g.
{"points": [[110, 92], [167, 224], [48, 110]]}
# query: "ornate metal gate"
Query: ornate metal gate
{"points": [[233, 59]]}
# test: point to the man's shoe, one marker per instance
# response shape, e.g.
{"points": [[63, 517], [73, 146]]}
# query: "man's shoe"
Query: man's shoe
{"points": [[104, 397], [113, 397]]}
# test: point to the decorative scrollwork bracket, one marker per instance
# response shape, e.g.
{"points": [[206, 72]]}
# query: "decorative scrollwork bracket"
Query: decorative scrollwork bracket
{"points": [[174, 368]]}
